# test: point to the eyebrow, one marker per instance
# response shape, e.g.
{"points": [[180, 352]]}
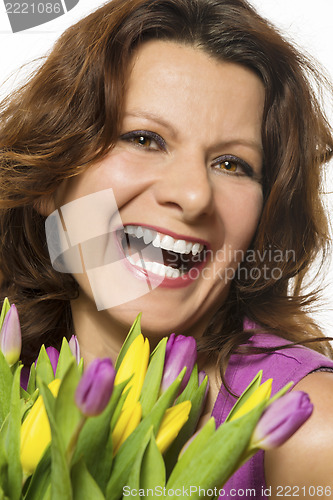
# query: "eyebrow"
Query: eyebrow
{"points": [[223, 144]]}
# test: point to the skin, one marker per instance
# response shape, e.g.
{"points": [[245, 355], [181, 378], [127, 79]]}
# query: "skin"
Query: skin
{"points": [[209, 109]]}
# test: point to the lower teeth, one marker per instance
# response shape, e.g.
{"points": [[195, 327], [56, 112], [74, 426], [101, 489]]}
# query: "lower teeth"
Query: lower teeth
{"points": [[156, 268]]}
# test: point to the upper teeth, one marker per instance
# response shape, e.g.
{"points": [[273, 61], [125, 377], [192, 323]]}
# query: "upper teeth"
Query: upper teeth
{"points": [[164, 241]]}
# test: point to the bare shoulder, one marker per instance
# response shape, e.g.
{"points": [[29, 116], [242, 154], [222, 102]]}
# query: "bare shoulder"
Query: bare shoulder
{"points": [[304, 464]]}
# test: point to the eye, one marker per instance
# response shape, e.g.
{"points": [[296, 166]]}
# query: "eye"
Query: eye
{"points": [[145, 139], [233, 165]]}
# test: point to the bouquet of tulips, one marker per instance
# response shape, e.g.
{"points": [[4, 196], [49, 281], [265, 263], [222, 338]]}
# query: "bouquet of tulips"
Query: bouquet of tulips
{"points": [[110, 432]]}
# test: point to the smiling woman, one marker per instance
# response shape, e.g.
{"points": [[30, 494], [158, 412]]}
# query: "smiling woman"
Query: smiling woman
{"points": [[175, 147]]}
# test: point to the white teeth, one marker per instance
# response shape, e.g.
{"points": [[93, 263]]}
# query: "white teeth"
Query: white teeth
{"points": [[138, 232], [129, 229], [156, 268], [188, 247], [148, 236], [195, 248], [157, 241], [167, 243], [179, 246]]}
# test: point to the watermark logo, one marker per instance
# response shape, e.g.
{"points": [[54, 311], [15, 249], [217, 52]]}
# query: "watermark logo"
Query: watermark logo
{"points": [[86, 236], [25, 14]]}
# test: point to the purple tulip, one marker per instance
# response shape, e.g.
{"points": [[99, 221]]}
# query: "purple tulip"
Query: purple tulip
{"points": [[75, 348], [95, 387], [180, 351], [11, 338], [281, 419], [53, 355]]}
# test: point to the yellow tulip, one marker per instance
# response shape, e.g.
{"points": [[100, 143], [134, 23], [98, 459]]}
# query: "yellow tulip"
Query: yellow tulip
{"points": [[128, 420], [135, 363], [173, 420], [262, 393], [36, 432]]}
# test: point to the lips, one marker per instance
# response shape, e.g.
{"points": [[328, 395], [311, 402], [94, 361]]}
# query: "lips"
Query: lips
{"points": [[159, 253]]}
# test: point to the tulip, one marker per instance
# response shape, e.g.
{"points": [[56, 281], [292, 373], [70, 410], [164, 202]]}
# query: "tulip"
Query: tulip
{"points": [[11, 338], [75, 348], [53, 355], [180, 351], [36, 432], [173, 420], [281, 420], [134, 365], [262, 393], [95, 387], [128, 420]]}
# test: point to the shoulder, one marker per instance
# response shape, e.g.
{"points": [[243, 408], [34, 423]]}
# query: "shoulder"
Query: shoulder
{"points": [[304, 462]]}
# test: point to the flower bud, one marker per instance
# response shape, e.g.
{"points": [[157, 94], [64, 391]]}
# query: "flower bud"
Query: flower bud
{"points": [[95, 387], [173, 420], [11, 338], [261, 394], [75, 348], [281, 420], [180, 351], [53, 355], [134, 365], [36, 432]]}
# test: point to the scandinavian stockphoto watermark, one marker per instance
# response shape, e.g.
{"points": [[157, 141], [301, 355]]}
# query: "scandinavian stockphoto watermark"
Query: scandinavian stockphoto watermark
{"points": [[25, 14], [87, 237]]}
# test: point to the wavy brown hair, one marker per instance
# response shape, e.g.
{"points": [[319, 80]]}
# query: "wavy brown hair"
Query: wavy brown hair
{"points": [[68, 115]]}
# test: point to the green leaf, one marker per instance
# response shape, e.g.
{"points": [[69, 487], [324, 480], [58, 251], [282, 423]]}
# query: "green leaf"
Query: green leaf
{"points": [[12, 440], [41, 479], [280, 393], [152, 382], [4, 310], [32, 379], [152, 469], [132, 334], [253, 386], [60, 478], [227, 445], [197, 400], [67, 414], [84, 486], [128, 450], [134, 478], [196, 446], [95, 444], [191, 387], [44, 368], [3, 464], [65, 359], [6, 381]]}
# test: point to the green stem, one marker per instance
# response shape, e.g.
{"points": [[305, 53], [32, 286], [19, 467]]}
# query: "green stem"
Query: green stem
{"points": [[74, 438]]}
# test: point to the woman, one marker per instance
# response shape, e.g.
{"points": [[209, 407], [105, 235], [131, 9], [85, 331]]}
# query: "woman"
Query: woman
{"points": [[173, 149]]}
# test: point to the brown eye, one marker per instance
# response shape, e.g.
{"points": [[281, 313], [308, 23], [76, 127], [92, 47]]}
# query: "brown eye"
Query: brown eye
{"points": [[229, 166], [143, 141]]}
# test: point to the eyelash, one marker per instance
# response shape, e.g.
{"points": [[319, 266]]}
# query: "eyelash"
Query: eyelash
{"points": [[161, 145]]}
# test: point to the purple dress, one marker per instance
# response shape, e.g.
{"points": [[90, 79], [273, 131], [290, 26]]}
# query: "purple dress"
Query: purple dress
{"points": [[290, 364]]}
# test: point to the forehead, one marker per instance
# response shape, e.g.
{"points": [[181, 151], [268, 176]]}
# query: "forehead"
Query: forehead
{"points": [[183, 85]]}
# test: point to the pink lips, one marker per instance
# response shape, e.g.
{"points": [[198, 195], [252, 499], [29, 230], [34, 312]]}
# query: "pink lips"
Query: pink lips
{"points": [[155, 280]]}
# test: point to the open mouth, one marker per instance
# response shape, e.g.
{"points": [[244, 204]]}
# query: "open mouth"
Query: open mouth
{"points": [[160, 253]]}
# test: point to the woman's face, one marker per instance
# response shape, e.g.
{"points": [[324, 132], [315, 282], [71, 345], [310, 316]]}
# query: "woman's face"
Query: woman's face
{"points": [[185, 175]]}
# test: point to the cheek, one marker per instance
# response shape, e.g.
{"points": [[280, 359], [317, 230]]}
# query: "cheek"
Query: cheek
{"points": [[241, 213]]}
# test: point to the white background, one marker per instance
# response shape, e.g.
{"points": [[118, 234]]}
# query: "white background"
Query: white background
{"points": [[308, 23]]}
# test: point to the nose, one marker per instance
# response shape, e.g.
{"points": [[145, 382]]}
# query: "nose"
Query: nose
{"points": [[186, 186]]}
